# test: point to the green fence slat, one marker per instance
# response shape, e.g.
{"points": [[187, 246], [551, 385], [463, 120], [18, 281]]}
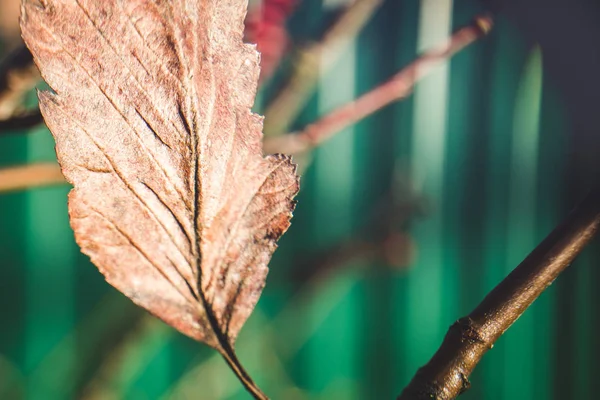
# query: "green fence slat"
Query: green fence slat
{"points": [[508, 58], [424, 305], [519, 341], [333, 213], [49, 272]]}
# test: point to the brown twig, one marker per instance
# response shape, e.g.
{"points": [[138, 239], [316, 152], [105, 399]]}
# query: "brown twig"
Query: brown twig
{"points": [[30, 176], [21, 121], [289, 102], [18, 75], [395, 89], [446, 374]]}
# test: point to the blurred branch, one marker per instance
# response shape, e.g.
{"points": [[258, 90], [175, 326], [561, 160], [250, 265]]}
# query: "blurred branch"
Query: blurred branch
{"points": [[30, 176], [289, 102], [12, 384], [21, 122], [384, 239], [18, 75], [105, 327], [469, 338], [395, 89], [127, 360]]}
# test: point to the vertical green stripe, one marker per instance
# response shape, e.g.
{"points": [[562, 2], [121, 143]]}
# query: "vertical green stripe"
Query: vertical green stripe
{"points": [[155, 377], [424, 326], [506, 67], [50, 300], [12, 281], [333, 216], [552, 152], [583, 361], [465, 176], [333, 178], [140, 362], [520, 340], [405, 44]]}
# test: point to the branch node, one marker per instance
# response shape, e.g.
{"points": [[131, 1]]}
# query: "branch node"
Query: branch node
{"points": [[469, 331], [466, 384]]}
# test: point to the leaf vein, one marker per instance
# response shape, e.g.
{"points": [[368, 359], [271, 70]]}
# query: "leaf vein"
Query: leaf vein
{"points": [[128, 185], [238, 221], [123, 117], [138, 248]]}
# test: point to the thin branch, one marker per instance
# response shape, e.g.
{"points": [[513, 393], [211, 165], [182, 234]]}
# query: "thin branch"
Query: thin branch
{"points": [[21, 122], [19, 59], [382, 240], [446, 374], [97, 337], [18, 75], [125, 361], [30, 176], [289, 102], [13, 381], [397, 88]]}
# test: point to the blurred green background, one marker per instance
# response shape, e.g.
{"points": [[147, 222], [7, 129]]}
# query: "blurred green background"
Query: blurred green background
{"points": [[404, 222]]}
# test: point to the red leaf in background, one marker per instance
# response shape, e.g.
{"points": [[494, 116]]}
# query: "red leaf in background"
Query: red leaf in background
{"points": [[265, 26]]}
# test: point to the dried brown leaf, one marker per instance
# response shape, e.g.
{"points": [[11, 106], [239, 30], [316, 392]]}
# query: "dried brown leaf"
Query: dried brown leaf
{"points": [[172, 199]]}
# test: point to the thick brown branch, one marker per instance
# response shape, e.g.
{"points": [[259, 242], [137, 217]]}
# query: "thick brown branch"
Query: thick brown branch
{"points": [[397, 88], [446, 374]]}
